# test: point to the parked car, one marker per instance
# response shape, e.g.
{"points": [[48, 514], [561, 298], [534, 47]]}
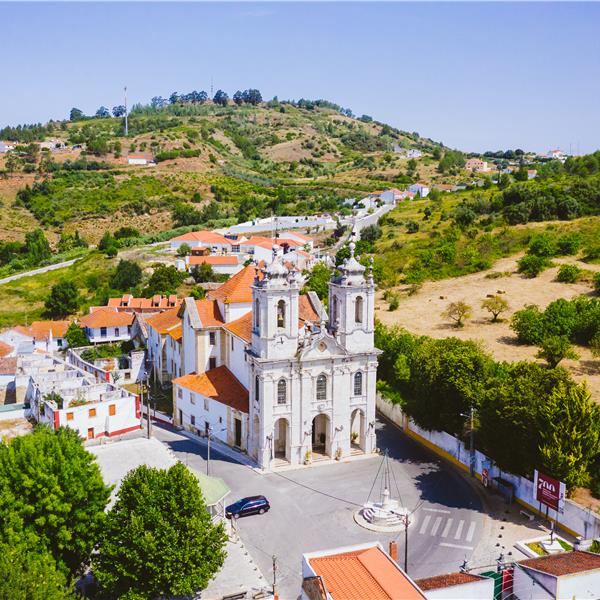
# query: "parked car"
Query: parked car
{"points": [[247, 506]]}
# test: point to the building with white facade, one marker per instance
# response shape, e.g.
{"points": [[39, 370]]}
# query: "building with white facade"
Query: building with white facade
{"points": [[204, 239], [457, 586], [309, 378], [47, 336], [107, 324], [61, 395], [419, 189]]}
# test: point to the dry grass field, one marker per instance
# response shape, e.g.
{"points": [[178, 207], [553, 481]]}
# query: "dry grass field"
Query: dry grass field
{"points": [[421, 312]]}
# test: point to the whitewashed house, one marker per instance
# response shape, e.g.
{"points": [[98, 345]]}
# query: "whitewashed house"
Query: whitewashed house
{"points": [[47, 336], [212, 240], [107, 324], [419, 189]]}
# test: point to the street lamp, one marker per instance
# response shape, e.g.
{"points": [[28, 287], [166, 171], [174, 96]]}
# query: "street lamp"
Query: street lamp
{"points": [[208, 434]]}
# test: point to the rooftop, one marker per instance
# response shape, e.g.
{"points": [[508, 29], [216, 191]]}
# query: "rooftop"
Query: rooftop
{"points": [[164, 321], [220, 384], [106, 316], [237, 290], [127, 301], [209, 313], [365, 574], [564, 563], [213, 260], [447, 580], [207, 237], [242, 327], [5, 349]]}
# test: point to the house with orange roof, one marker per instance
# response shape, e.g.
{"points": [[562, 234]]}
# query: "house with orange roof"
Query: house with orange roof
{"points": [[209, 239], [228, 264], [107, 324], [158, 303], [360, 572], [299, 367], [305, 240], [48, 336], [163, 353], [457, 586]]}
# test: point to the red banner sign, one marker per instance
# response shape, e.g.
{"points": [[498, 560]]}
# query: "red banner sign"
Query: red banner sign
{"points": [[549, 491]]}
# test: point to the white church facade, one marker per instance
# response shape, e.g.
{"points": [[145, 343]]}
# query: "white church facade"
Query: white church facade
{"points": [[267, 370]]}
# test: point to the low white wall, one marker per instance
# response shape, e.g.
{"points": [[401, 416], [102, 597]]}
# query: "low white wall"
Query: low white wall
{"points": [[576, 519]]}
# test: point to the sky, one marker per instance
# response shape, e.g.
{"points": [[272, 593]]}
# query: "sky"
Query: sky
{"points": [[475, 76]]}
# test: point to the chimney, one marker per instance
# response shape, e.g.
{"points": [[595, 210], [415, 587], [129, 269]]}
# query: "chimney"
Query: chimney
{"points": [[394, 551]]}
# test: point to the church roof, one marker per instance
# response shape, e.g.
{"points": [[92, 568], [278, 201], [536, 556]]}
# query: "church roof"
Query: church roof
{"points": [[209, 313], [242, 327], [236, 290]]}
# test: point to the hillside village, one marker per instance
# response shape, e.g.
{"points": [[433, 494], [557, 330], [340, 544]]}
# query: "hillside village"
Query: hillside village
{"points": [[328, 320]]}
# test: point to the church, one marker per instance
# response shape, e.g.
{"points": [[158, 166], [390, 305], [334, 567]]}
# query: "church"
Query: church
{"points": [[265, 369]]}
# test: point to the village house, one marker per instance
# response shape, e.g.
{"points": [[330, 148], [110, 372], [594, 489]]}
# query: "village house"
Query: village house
{"points": [[164, 354], [48, 336], [419, 189], [127, 303], [107, 324], [222, 265], [531, 173], [309, 378], [477, 165], [216, 242]]}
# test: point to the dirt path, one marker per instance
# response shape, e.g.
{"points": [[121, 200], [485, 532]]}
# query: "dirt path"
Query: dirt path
{"points": [[421, 313]]}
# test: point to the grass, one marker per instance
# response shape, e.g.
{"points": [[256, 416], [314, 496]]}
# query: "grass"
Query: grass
{"points": [[539, 549]]}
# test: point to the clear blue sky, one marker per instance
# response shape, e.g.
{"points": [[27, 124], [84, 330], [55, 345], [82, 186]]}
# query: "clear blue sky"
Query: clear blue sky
{"points": [[475, 76]]}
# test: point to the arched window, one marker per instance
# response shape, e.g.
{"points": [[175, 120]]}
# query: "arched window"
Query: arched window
{"points": [[281, 391], [358, 386], [257, 388], [358, 310], [335, 310], [281, 314], [321, 387], [256, 314]]}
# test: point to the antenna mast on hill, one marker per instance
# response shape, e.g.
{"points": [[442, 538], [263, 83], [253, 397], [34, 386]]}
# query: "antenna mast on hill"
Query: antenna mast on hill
{"points": [[211, 87], [126, 123]]}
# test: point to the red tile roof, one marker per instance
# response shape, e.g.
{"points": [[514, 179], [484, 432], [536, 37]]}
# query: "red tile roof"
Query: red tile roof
{"points": [[367, 574], [164, 321], [40, 330], [300, 235], [8, 365], [448, 580], [564, 563], [128, 303], [219, 384], [209, 313], [237, 289], [242, 327], [5, 349], [213, 260], [306, 312], [106, 317], [207, 237]]}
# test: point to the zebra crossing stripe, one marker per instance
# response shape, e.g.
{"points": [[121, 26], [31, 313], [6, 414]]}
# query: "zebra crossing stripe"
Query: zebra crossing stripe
{"points": [[447, 528], [459, 530], [425, 524], [471, 531], [436, 526]]}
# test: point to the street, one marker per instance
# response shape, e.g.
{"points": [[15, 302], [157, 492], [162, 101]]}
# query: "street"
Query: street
{"points": [[312, 508]]}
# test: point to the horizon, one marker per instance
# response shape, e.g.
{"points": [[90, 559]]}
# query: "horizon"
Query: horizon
{"points": [[421, 67]]}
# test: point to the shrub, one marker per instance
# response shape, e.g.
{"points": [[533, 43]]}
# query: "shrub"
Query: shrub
{"points": [[528, 324], [542, 244], [568, 244], [394, 302], [553, 349], [458, 312], [568, 274], [532, 265]]}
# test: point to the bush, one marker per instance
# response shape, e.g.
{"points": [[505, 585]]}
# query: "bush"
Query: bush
{"points": [[568, 274], [528, 324], [63, 300], [542, 244], [554, 349], [568, 244], [596, 281], [531, 265]]}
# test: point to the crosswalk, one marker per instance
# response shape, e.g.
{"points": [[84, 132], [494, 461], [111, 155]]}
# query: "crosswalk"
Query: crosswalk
{"points": [[452, 531]]}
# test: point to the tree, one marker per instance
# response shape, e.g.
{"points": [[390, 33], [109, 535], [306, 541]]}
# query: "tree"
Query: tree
{"points": [[238, 98], [528, 324], [521, 174], [103, 112], [158, 102], [159, 539], [318, 280], [447, 378], [252, 96], [29, 573], [370, 233], [555, 348], [52, 488], [570, 436], [37, 247], [184, 214], [221, 98], [108, 244], [203, 273], [126, 276], [495, 305], [174, 98], [76, 115], [119, 110], [164, 280], [504, 181], [458, 312], [63, 300], [184, 250], [75, 336]]}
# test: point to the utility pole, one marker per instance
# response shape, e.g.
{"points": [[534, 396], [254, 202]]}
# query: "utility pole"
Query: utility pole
{"points": [[274, 576], [472, 445], [126, 122], [406, 543]]}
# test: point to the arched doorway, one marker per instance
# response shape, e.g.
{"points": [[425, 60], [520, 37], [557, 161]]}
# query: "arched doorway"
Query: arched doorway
{"points": [[357, 431], [321, 436], [281, 442]]}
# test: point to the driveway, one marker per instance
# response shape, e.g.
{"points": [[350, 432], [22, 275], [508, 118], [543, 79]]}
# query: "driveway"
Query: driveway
{"points": [[312, 507]]}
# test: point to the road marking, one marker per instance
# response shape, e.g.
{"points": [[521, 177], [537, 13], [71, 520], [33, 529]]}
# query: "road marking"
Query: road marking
{"points": [[438, 510], [447, 528], [459, 530], [425, 523], [471, 531], [436, 526], [447, 545]]}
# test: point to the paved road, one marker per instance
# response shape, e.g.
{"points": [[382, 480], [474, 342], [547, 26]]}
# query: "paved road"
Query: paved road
{"points": [[312, 508], [60, 265]]}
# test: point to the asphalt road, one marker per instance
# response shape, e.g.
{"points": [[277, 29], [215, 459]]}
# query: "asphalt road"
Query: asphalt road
{"points": [[312, 508]]}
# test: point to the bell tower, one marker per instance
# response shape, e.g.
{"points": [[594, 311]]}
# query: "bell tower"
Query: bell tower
{"points": [[275, 310], [352, 305]]}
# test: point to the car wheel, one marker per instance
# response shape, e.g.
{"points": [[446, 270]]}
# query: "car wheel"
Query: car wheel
{"points": [[261, 511], [236, 515]]}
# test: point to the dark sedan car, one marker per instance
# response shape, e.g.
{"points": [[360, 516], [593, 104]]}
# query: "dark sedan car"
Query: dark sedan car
{"points": [[247, 506]]}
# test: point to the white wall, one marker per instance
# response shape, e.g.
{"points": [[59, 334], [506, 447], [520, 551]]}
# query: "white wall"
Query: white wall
{"points": [[476, 590], [192, 404], [113, 334], [237, 362], [539, 587]]}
